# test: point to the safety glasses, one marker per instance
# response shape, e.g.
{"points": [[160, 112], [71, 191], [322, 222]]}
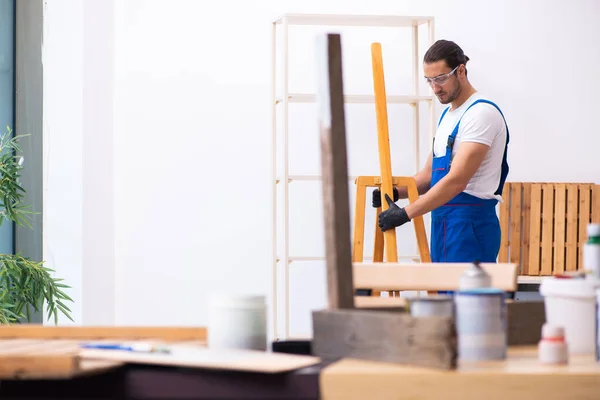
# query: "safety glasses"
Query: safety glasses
{"points": [[440, 79]]}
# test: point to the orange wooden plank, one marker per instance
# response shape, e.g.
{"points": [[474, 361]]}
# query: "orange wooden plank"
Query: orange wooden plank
{"points": [[535, 229], [504, 222], [547, 227], [585, 201], [359, 221], [385, 163], [560, 210], [378, 243], [526, 221], [101, 332], [515, 223], [572, 226], [596, 205]]}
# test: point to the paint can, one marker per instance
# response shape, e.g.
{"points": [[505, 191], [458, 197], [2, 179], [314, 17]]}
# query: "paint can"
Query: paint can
{"points": [[481, 324], [431, 306], [570, 302], [237, 322]]}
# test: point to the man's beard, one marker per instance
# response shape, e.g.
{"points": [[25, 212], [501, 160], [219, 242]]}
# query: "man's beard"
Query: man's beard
{"points": [[449, 97]]}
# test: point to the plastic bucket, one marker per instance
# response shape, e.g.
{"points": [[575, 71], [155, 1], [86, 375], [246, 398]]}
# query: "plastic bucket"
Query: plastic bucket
{"points": [[571, 303]]}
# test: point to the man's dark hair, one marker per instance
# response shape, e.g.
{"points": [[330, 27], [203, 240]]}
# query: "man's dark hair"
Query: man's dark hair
{"points": [[448, 51]]}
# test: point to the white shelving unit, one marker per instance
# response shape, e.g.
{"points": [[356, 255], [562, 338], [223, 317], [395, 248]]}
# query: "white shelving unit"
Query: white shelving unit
{"points": [[286, 98]]}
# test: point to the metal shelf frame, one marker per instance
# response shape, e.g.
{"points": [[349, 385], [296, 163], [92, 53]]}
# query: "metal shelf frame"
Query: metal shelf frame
{"points": [[287, 98]]}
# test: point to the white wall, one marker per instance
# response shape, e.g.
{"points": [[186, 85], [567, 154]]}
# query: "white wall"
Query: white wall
{"points": [[192, 142]]}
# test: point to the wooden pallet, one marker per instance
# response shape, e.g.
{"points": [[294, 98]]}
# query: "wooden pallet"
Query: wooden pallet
{"points": [[544, 225]]}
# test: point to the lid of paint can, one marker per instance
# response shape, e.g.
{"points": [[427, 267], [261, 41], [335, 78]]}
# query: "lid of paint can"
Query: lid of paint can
{"points": [[436, 298], [236, 300], [486, 291], [568, 287]]}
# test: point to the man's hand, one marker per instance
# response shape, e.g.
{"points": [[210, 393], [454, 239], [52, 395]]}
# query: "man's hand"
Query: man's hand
{"points": [[393, 216], [377, 197]]}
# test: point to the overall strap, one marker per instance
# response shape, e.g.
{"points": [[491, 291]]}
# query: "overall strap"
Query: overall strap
{"points": [[438, 124], [505, 167]]}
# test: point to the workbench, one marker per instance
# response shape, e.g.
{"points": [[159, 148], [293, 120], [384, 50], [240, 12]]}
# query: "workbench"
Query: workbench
{"points": [[520, 376]]}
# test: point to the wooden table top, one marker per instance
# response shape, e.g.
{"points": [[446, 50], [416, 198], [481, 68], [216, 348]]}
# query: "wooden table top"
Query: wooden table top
{"points": [[521, 375]]}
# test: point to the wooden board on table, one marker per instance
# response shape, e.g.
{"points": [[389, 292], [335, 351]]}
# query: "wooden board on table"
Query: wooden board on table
{"points": [[520, 376], [428, 276], [206, 358], [389, 336], [46, 359], [53, 352]]}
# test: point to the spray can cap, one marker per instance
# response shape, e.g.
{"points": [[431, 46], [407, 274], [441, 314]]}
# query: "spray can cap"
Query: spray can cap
{"points": [[593, 230]]}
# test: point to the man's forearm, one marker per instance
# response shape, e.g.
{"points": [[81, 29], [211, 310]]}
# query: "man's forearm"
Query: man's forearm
{"points": [[441, 193]]}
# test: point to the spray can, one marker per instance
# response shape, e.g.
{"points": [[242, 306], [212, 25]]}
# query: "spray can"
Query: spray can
{"points": [[591, 250], [475, 277], [481, 324]]}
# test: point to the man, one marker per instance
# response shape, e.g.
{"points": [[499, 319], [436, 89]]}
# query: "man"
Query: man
{"points": [[462, 180]]}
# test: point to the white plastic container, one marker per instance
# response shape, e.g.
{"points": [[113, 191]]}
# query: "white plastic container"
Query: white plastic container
{"points": [[552, 348], [431, 306], [571, 303], [237, 322]]}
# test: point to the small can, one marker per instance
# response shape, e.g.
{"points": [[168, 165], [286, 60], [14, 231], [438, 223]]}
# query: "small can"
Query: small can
{"points": [[481, 324], [431, 306]]}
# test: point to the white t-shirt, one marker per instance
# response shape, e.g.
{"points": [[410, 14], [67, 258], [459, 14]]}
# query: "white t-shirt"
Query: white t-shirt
{"points": [[482, 123]]}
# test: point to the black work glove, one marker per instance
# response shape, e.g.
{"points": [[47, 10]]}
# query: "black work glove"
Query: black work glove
{"points": [[377, 197], [393, 216]]}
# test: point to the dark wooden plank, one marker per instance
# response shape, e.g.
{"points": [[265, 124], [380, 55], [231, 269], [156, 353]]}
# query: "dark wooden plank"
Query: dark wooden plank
{"points": [[525, 320], [332, 128], [387, 336]]}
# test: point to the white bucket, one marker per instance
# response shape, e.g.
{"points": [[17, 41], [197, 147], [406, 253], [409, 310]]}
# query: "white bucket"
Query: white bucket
{"points": [[571, 303], [237, 322]]}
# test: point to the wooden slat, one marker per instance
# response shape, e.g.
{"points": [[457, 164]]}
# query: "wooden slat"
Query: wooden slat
{"points": [[88, 333], [547, 228], [572, 226], [560, 208], [39, 347], [515, 223], [378, 241], [359, 221], [334, 166], [584, 219], [504, 222], [526, 221], [535, 229], [596, 205]]}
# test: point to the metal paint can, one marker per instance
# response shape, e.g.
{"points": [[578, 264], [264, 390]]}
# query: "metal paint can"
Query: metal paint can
{"points": [[481, 324], [431, 306]]}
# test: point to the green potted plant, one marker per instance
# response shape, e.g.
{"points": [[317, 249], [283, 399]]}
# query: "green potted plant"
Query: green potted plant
{"points": [[25, 285]]}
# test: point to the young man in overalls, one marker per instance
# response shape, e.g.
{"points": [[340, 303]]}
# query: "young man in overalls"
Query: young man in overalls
{"points": [[462, 180]]}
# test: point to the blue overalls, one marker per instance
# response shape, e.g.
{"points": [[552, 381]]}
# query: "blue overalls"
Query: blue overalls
{"points": [[466, 228]]}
